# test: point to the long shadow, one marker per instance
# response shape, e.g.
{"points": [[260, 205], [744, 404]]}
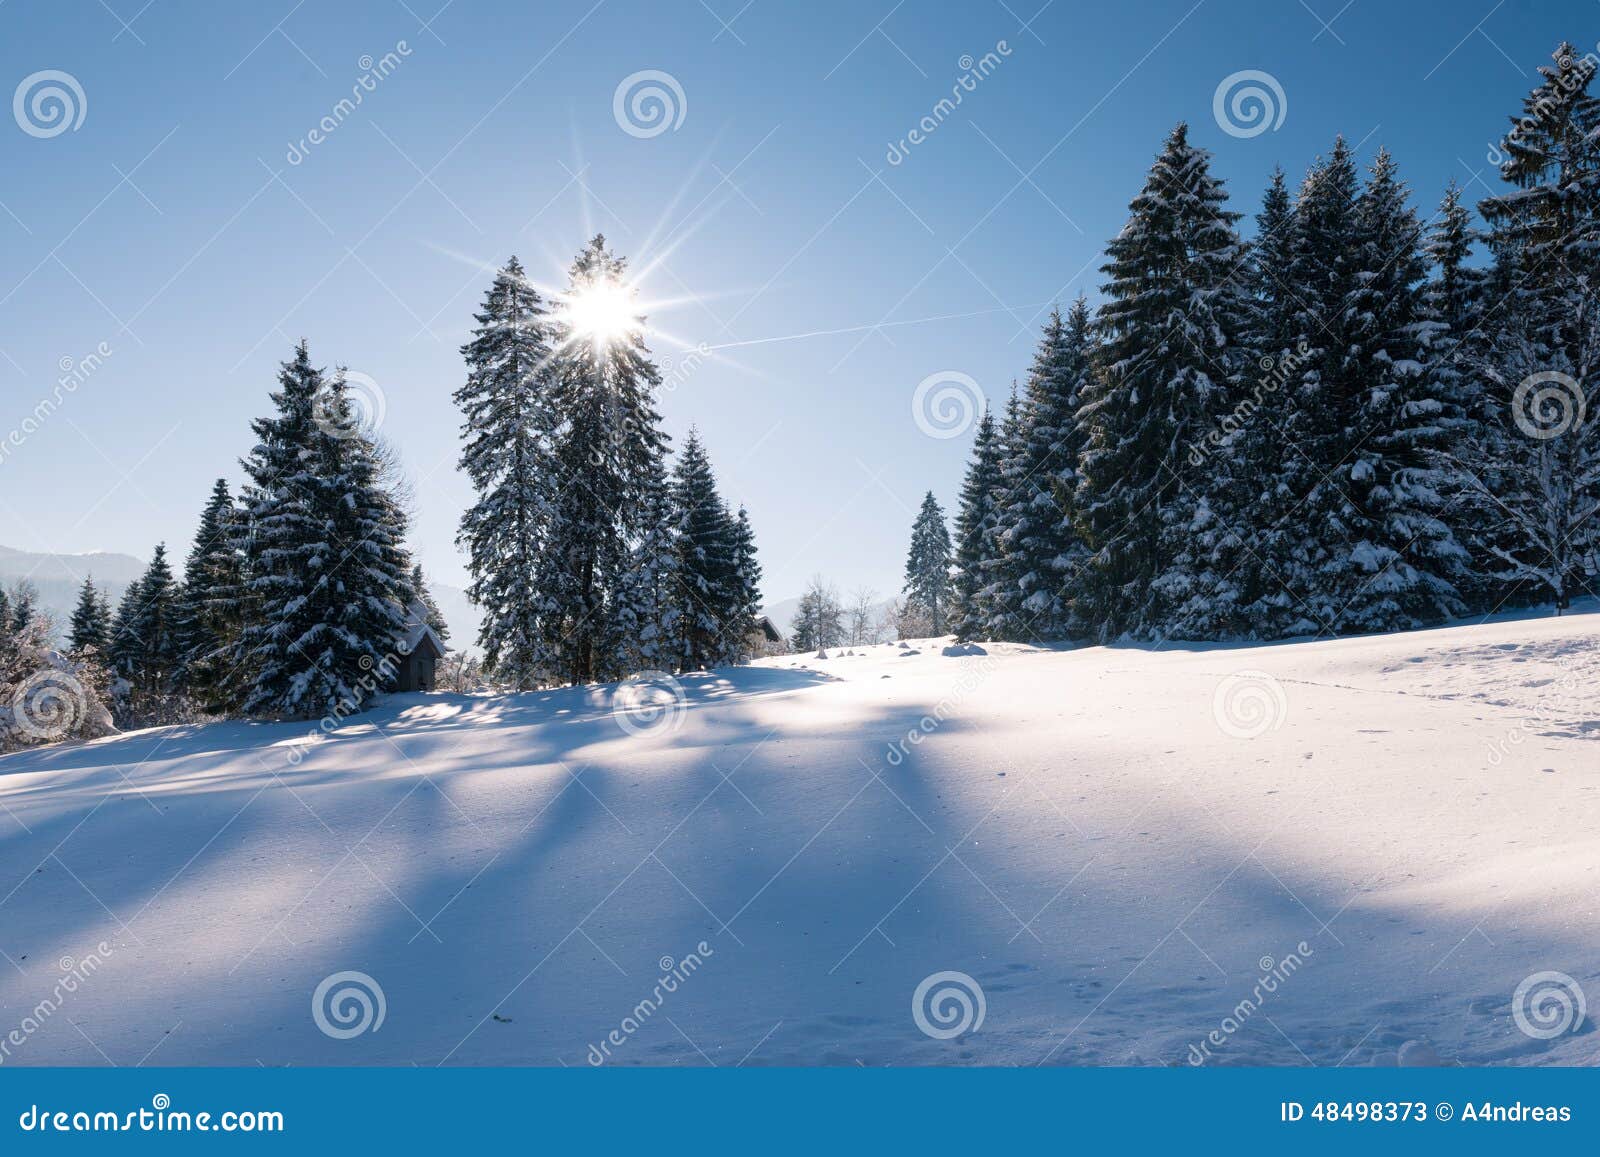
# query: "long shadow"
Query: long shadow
{"points": [[515, 908]]}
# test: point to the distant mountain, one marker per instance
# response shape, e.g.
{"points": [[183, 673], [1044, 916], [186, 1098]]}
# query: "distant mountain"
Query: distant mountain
{"points": [[58, 577]]}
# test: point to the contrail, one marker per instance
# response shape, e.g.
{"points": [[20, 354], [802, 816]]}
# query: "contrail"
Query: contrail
{"points": [[881, 325]]}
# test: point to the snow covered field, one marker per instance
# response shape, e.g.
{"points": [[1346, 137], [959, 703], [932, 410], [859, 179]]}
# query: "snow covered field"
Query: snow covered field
{"points": [[1116, 845]]}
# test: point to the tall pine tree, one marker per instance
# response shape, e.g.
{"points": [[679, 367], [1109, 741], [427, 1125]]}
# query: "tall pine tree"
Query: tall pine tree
{"points": [[208, 622], [609, 454], [975, 531], [707, 566], [1403, 559], [1167, 330], [91, 625], [434, 616], [1040, 538], [325, 560], [155, 654], [746, 601], [510, 418], [1533, 467], [927, 589], [1002, 569]]}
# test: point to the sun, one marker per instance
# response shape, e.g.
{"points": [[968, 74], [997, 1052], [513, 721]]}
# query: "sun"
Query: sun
{"points": [[603, 312]]}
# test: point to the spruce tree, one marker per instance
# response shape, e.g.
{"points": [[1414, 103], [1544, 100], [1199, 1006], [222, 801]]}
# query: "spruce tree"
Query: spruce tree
{"points": [[1002, 570], [1167, 331], [1454, 294], [1531, 464], [1403, 558], [1453, 301], [510, 418], [326, 567], [706, 562], [649, 601], [126, 646], [22, 606], [1041, 542], [91, 626], [1308, 546], [154, 619], [1245, 527], [927, 589], [609, 454], [208, 624], [1552, 160], [746, 601], [434, 616], [975, 528]]}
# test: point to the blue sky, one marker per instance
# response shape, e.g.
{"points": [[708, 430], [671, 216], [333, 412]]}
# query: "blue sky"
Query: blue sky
{"points": [[172, 226]]}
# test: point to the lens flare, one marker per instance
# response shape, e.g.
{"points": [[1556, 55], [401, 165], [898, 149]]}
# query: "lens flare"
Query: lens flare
{"points": [[601, 312]]}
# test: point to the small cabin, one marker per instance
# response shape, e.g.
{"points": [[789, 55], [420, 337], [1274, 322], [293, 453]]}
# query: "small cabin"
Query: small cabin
{"points": [[765, 638], [420, 651]]}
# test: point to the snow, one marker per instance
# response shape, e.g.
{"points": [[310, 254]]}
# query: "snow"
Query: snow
{"points": [[1117, 845]]}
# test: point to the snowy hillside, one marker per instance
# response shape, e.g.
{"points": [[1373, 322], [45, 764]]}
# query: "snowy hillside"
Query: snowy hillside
{"points": [[1118, 847]]}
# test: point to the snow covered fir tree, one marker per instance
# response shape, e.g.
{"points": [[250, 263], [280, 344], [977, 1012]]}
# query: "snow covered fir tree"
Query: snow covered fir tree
{"points": [[1344, 424], [593, 556], [926, 609], [508, 453], [326, 573]]}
